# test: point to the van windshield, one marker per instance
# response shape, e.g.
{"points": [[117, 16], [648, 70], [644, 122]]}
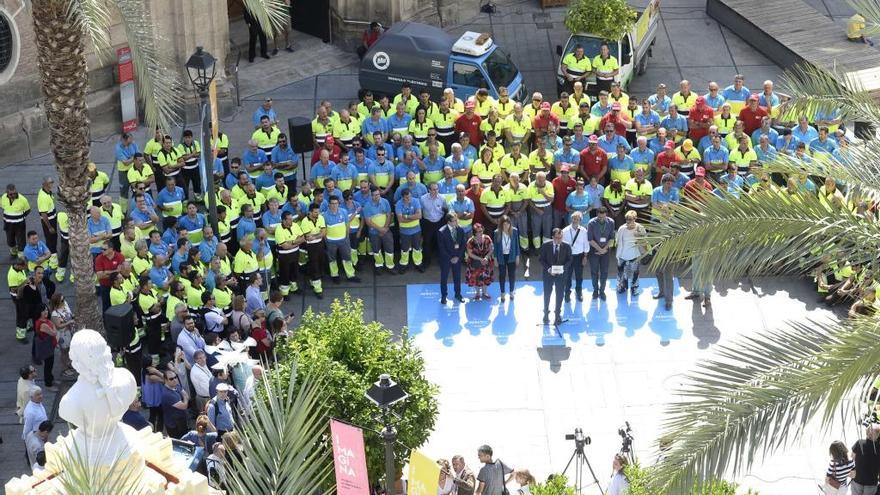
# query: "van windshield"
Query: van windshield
{"points": [[591, 46], [500, 68]]}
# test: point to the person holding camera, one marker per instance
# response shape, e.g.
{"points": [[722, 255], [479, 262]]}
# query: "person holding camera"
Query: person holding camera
{"points": [[494, 475], [463, 477]]}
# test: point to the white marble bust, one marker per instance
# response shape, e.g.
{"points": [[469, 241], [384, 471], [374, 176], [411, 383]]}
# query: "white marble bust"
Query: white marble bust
{"points": [[96, 402]]}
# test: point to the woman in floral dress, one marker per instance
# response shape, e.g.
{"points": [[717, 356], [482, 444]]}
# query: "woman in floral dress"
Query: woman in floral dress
{"points": [[480, 262]]}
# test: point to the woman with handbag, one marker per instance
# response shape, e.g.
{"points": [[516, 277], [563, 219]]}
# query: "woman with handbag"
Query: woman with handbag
{"points": [[507, 253], [46, 340], [62, 318], [480, 262], [839, 469]]}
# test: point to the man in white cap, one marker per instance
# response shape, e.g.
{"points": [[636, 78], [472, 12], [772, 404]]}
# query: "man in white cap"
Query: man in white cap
{"points": [[220, 412]]}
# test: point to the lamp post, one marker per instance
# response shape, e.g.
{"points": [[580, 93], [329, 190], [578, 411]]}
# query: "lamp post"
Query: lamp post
{"points": [[385, 393], [201, 68]]}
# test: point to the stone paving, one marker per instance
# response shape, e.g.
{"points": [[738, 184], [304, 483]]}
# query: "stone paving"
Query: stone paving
{"points": [[598, 398]]}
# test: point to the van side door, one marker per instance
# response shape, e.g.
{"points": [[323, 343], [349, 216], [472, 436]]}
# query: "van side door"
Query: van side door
{"points": [[627, 60]]}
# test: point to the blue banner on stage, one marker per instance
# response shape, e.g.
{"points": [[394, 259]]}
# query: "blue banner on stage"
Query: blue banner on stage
{"points": [[590, 320]]}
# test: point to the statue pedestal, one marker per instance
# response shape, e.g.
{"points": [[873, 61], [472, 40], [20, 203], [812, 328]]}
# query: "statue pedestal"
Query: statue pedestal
{"points": [[160, 472]]}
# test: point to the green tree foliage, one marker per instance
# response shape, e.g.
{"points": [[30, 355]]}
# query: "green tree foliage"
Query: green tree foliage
{"points": [[350, 354], [557, 486], [640, 477], [607, 19]]}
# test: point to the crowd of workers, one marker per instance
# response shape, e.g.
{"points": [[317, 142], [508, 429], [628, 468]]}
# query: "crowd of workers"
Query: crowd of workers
{"points": [[394, 183]]}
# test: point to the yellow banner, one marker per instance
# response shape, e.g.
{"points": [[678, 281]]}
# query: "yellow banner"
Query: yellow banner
{"points": [[424, 475]]}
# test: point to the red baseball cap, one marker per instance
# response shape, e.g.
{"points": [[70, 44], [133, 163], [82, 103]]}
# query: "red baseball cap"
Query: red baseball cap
{"points": [[670, 145], [545, 105], [700, 172], [594, 139], [564, 168], [615, 106], [469, 104], [475, 180], [329, 140], [701, 99], [753, 98]]}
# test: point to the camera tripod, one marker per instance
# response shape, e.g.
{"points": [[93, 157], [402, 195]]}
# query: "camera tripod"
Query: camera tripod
{"points": [[580, 459]]}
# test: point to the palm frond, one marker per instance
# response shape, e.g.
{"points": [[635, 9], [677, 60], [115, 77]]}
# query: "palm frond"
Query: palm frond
{"points": [[752, 397], [79, 474], [93, 17], [858, 169], [766, 232], [158, 82], [813, 89], [283, 439], [273, 15], [870, 10]]}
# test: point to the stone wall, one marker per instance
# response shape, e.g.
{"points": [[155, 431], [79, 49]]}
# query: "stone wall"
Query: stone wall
{"points": [[181, 24], [441, 13]]}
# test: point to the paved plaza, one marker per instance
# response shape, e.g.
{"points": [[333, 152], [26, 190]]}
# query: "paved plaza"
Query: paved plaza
{"points": [[506, 379]]}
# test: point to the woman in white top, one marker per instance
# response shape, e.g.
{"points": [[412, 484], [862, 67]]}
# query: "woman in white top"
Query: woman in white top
{"points": [[619, 485], [507, 253], [628, 254], [525, 480], [62, 318], [445, 485]]}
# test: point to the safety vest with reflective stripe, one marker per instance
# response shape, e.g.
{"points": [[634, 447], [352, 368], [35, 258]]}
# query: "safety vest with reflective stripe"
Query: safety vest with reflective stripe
{"points": [[14, 211], [310, 227], [116, 218], [283, 235], [335, 222], [63, 225], [46, 203]]}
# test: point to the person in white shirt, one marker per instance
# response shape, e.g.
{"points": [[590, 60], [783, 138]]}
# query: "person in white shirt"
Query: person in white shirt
{"points": [[619, 485], [34, 412], [575, 235], [250, 387], [200, 377], [215, 320], [26, 383], [628, 254]]}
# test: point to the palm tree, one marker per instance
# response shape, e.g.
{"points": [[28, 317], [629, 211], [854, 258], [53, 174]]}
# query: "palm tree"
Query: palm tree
{"points": [[62, 29], [755, 395]]}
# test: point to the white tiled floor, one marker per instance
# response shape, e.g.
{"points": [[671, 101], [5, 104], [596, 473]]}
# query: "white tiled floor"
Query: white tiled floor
{"points": [[507, 396]]}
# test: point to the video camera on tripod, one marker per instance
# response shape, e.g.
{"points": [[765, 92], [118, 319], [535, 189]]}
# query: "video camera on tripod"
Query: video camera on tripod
{"points": [[627, 438], [579, 439]]}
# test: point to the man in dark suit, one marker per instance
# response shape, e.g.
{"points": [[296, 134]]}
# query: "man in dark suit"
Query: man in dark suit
{"points": [[555, 258], [451, 248]]}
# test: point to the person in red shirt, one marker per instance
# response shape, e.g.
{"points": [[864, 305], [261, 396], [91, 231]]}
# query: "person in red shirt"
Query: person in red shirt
{"points": [[665, 160], [332, 149], [594, 161], [106, 264], [700, 118], [751, 115], [621, 122], [692, 188], [543, 120], [369, 38], [475, 191], [563, 185], [469, 122]]}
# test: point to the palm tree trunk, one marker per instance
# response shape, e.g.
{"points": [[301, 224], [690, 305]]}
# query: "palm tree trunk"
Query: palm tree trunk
{"points": [[62, 62]]}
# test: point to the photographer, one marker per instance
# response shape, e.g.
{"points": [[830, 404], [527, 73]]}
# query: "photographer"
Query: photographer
{"points": [[492, 474], [464, 478]]}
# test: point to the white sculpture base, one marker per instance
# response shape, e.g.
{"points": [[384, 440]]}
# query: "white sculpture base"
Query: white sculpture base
{"points": [[160, 472]]}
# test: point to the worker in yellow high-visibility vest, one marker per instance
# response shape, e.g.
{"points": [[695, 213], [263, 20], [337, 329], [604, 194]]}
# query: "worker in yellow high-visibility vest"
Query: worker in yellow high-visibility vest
{"points": [[16, 277], [63, 246], [15, 210], [314, 229], [576, 67], [338, 244], [48, 214], [606, 68]]}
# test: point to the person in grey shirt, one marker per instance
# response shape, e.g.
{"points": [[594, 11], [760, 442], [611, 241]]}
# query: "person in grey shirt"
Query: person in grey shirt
{"points": [[434, 210], [494, 475]]}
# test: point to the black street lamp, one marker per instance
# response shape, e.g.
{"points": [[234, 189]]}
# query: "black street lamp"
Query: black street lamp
{"points": [[385, 393], [201, 68]]}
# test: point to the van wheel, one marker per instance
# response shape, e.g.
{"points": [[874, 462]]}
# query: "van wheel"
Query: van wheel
{"points": [[643, 65]]}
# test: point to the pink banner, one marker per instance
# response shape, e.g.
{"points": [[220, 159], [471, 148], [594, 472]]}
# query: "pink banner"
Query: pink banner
{"points": [[349, 459]]}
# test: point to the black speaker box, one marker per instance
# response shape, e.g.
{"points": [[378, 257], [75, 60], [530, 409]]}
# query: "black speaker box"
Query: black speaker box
{"points": [[300, 134], [119, 325]]}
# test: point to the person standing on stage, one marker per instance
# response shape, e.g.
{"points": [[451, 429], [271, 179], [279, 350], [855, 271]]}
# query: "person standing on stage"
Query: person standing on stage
{"points": [[555, 258]]}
